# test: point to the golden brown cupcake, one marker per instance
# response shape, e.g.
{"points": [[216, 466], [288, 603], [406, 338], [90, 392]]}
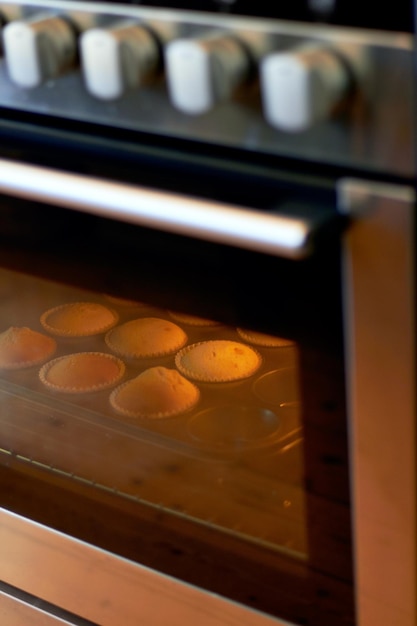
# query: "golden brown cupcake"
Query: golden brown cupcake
{"points": [[264, 340], [145, 338], [156, 393], [218, 361], [79, 319], [22, 347], [192, 320], [82, 372], [123, 302]]}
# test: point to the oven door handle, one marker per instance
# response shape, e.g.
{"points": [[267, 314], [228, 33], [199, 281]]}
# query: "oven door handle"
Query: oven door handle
{"points": [[291, 235]]}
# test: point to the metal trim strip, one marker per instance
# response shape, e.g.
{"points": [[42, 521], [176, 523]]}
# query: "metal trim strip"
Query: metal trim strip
{"points": [[379, 257], [105, 588], [367, 37], [16, 612]]}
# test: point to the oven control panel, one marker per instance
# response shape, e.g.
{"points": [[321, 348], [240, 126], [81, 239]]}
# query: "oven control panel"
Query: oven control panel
{"points": [[312, 91]]}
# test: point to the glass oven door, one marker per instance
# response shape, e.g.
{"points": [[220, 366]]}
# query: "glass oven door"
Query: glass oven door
{"points": [[175, 401]]}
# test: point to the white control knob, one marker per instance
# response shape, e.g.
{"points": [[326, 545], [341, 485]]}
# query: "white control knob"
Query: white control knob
{"points": [[8, 13], [41, 48], [204, 71], [117, 59], [302, 87]]}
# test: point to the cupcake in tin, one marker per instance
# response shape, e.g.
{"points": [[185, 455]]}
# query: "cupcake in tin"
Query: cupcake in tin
{"points": [[156, 393], [192, 320], [82, 372], [264, 340], [79, 319], [123, 302], [22, 347], [218, 361], [146, 337]]}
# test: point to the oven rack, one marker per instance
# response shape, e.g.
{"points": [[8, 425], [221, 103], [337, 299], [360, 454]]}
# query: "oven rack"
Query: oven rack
{"points": [[294, 547]]}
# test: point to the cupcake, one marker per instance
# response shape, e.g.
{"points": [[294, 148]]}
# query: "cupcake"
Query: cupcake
{"points": [[192, 320], [264, 340], [82, 372], [22, 347], [123, 302], [145, 338], [156, 393], [79, 319], [218, 361]]}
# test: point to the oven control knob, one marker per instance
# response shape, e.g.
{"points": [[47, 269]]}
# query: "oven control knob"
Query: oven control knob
{"points": [[303, 86], [123, 57], [205, 70], [43, 47]]}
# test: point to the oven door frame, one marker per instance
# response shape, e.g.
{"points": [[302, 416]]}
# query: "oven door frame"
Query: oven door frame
{"points": [[380, 305]]}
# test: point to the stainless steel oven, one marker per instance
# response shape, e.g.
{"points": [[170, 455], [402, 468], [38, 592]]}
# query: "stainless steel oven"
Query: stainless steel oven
{"points": [[207, 336]]}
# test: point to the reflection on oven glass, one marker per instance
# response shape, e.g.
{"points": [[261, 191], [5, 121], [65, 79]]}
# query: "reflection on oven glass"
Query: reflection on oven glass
{"points": [[117, 392]]}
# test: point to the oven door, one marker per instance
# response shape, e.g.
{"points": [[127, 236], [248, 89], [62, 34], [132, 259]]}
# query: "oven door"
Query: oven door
{"points": [[236, 507], [242, 494]]}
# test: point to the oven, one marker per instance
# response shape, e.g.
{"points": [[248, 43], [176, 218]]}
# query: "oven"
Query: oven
{"points": [[207, 337]]}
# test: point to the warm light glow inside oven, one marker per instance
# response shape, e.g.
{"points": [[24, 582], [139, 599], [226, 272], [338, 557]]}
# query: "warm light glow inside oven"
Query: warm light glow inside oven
{"points": [[180, 412]]}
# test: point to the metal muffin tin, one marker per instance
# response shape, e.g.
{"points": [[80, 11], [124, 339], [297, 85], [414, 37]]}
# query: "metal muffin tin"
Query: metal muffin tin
{"points": [[239, 447]]}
